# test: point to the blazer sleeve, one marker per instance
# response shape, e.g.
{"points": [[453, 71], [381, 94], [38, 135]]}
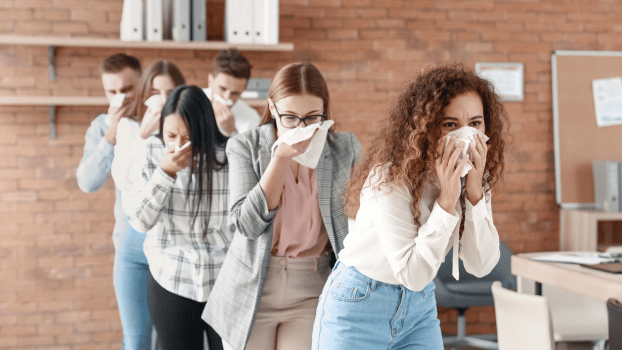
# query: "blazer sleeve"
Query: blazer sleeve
{"points": [[249, 207]]}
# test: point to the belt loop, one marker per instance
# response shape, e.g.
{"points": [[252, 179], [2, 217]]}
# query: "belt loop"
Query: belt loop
{"points": [[316, 261], [373, 284]]}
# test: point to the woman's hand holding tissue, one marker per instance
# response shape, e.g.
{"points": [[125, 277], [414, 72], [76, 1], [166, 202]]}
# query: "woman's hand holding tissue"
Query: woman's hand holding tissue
{"points": [[285, 151], [173, 161], [272, 180], [475, 176], [151, 119], [448, 173]]}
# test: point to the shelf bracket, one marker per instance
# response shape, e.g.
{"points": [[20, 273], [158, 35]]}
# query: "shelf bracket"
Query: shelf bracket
{"points": [[52, 122], [51, 69]]}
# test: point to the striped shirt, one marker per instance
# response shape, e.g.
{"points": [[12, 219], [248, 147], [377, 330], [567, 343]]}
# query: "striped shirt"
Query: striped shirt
{"points": [[181, 258]]}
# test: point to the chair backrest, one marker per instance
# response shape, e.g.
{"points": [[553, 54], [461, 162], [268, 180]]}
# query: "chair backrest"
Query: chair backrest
{"points": [[614, 312], [501, 272], [523, 321]]}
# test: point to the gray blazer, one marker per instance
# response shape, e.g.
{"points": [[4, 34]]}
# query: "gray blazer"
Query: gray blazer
{"points": [[234, 300]]}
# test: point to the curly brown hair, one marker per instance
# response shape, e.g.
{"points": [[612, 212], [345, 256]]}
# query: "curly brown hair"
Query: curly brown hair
{"points": [[408, 134]]}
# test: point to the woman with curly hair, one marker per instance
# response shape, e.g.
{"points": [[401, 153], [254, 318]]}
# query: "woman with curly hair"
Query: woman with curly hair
{"points": [[413, 206]]}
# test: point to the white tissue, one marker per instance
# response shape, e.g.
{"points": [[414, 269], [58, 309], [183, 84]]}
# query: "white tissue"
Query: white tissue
{"points": [[117, 100], [177, 148], [312, 154], [227, 103], [154, 101], [466, 135]]}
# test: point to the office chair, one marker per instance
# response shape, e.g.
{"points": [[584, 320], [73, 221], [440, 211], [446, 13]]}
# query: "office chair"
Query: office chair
{"points": [[614, 312], [471, 291], [523, 320]]}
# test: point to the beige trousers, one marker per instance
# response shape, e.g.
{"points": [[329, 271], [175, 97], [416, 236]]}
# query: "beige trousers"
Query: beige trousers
{"points": [[288, 303]]}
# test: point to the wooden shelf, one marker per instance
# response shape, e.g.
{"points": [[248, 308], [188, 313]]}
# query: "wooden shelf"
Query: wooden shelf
{"points": [[52, 42], [77, 101], [116, 43], [53, 101]]}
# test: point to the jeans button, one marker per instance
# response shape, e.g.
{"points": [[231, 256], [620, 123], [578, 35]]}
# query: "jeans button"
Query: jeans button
{"points": [[282, 262]]}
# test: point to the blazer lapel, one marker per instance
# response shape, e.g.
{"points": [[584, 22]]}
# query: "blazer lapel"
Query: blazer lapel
{"points": [[324, 173]]}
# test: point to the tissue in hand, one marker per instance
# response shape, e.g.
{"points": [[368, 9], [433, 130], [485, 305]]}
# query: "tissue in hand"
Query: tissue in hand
{"points": [[227, 103], [464, 135], [153, 101], [117, 100], [177, 148], [312, 154]]}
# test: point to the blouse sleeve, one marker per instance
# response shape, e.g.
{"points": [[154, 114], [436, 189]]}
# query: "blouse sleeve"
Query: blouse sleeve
{"points": [[479, 246], [414, 252]]}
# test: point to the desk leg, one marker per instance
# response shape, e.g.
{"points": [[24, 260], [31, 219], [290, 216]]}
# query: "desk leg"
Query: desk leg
{"points": [[524, 285], [538, 288]]}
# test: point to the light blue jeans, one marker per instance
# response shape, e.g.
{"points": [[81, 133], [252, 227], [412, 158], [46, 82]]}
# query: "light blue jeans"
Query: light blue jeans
{"points": [[358, 313], [131, 277]]}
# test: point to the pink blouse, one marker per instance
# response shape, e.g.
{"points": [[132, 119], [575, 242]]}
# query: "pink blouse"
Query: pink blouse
{"points": [[298, 228]]}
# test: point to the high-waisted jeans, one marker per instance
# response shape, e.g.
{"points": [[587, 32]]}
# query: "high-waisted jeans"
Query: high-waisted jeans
{"points": [[131, 277], [356, 312]]}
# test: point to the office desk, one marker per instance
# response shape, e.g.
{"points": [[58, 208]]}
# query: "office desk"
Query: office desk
{"points": [[575, 278]]}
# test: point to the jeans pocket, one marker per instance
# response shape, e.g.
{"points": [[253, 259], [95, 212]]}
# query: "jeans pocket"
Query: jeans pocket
{"points": [[345, 287], [428, 291]]}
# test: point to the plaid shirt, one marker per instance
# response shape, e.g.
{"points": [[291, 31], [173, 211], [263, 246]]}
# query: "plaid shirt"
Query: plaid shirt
{"points": [[181, 259]]}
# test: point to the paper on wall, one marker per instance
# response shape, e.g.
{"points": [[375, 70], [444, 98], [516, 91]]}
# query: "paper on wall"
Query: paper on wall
{"points": [[607, 101]]}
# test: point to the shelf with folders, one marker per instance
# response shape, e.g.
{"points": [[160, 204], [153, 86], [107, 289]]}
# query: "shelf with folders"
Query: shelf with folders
{"points": [[52, 42]]}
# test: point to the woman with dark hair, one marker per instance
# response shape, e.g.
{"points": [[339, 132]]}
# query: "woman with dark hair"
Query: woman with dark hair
{"points": [[131, 270], [413, 205], [182, 206], [289, 217]]}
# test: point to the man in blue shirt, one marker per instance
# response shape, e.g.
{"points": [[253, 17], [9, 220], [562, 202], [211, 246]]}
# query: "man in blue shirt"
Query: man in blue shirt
{"points": [[120, 74]]}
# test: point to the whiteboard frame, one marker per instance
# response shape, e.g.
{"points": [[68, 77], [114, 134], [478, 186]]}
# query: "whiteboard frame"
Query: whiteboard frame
{"points": [[558, 182]]}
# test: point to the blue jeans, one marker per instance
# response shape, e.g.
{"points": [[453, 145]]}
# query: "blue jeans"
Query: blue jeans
{"points": [[356, 312], [131, 278]]}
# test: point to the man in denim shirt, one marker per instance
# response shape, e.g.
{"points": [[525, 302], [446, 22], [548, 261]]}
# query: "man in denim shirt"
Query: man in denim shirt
{"points": [[120, 75]]}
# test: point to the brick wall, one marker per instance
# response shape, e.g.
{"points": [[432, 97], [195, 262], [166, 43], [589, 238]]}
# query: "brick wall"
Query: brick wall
{"points": [[55, 243]]}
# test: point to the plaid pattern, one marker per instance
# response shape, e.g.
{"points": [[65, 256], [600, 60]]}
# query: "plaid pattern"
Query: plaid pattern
{"points": [[181, 259], [233, 303], [94, 170]]}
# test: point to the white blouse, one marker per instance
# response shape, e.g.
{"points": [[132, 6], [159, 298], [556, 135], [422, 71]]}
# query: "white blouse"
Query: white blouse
{"points": [[129, 145], [410, 254]]}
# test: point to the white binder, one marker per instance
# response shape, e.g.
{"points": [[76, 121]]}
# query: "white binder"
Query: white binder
{"points": [[199, 23], [132, 25], [181, 20], [154, 20], [239, 21], [266, 21]]}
